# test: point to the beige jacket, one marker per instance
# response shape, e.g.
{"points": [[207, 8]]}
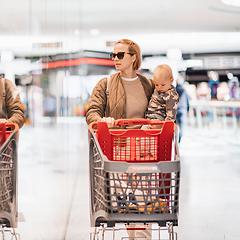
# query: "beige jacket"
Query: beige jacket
{"points": [[115, 104], [11, 107]]}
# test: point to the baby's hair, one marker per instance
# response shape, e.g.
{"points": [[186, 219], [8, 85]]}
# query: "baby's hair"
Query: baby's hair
{"points": [[163, 69]]}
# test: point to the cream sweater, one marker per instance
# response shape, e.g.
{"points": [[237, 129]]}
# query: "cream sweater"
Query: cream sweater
{"points": [[136, 100]]}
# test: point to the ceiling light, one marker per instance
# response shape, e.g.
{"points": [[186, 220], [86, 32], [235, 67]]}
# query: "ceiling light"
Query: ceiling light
{"points": [[229, 75], [6, 56], [76, 32], [174, 53], [194, 63], [94, 32], [235, 3]]}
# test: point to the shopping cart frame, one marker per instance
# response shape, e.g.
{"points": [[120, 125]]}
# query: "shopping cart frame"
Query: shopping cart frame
{"points": [[9, 176], [171, 167]]}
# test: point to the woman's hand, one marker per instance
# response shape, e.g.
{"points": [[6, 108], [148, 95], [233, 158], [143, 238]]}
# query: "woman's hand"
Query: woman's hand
{"points": [[158, 126], [109, 121], [3, 120], [154, 126]]}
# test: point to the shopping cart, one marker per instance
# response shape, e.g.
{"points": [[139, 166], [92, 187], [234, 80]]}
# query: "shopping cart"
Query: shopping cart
{"points": [[8, 179], [134, 175]]}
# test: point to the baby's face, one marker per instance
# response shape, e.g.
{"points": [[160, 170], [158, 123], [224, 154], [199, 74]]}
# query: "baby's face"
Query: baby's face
{"points": [[162, 83]]}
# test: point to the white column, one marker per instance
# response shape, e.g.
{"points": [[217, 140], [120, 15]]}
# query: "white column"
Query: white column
{"points": [[6, 58]]}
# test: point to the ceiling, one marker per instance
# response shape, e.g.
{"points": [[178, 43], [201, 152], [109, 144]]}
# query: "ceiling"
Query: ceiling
{"points": [[190, 25]]}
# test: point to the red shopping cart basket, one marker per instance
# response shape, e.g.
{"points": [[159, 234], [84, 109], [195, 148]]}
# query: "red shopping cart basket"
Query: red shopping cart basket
{"points": [[136, 145]]}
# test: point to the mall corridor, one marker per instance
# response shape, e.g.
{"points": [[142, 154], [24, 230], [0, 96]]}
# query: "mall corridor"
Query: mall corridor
{"points": [[53, 196]]}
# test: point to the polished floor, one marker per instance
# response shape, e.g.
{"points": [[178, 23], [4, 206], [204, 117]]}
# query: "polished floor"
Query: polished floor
{"points": [[53, 196]]}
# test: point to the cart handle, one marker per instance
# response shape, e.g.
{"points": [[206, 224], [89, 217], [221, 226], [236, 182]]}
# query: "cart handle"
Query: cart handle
{"points": [[7, 125], [143, 121], [14, 126], [92, 125], [4, 129], [120, 122]]}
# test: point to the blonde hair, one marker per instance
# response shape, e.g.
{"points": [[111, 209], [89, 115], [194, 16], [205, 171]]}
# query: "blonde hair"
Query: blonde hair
{"points": [[163, 69], [134, 49]]}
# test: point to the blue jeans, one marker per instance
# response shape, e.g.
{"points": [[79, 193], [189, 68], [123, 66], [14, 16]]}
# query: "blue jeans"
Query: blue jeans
{"points": [[180, 121]]}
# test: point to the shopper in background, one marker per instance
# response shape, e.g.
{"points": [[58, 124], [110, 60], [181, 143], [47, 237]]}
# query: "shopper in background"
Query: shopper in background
{"points": [[164, 102], [183, 106], [124, 95], [49, 106], [11, 109]]}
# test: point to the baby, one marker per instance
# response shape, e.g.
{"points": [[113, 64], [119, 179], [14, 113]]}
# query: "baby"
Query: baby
{"points": [[164, 101]]}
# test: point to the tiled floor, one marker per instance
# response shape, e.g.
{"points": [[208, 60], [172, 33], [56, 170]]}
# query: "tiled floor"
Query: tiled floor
{"points": [[54, 183], [210, 188]]}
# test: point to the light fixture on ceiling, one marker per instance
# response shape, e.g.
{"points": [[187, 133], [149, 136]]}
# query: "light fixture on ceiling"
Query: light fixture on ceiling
{"points": [[94, 32], [6, 56], [229, 75], [190, 63], [235, 3], [213, 75], [174, 53], [76, 32]]}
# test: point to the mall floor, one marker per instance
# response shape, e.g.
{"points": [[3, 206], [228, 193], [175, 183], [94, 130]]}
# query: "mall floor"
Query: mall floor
{"points": [[53, 196]]}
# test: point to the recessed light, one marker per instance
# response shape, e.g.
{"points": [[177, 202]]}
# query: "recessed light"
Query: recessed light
{"points": [[94, 32], [235, 3], [77, 32]]}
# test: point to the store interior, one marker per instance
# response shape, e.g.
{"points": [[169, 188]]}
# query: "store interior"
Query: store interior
{"points": [[56, 51]]}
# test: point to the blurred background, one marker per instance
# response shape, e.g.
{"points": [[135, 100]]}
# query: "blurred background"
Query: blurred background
{"points": [[55, 51]]}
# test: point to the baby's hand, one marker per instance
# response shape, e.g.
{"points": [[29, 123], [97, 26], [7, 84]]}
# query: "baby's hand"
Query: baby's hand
{"points": [[159, 126], [109, 121]]}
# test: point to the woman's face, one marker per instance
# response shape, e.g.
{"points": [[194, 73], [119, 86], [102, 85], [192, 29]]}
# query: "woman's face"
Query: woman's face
{"points": [[125, 64]]}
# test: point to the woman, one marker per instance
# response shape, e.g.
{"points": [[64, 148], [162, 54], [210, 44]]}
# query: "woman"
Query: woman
{"points": [[129, 92], [11, 107], [128, 95]]}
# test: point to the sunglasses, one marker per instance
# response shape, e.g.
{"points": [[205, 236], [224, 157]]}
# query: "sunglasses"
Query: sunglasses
{"points": [[120, 55]]}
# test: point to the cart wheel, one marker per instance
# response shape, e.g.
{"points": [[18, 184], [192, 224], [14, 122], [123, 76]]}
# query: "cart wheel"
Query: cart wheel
{"points": [[170, 231]]}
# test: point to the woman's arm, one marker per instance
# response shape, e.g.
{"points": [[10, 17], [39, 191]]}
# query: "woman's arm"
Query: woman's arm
{"points": [[13, 104], [97, 103]]}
